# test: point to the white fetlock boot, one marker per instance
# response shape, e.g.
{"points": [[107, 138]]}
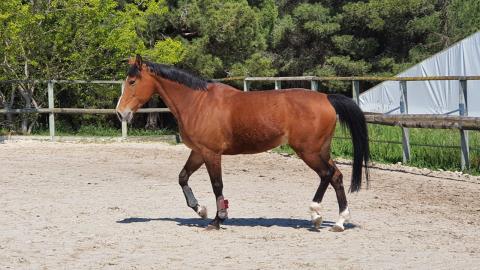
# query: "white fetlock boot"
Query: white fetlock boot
{"points": [[315, 215], [344, 217]]}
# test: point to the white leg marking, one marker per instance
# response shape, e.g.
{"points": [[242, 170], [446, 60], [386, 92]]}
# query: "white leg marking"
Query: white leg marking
{"points": [[344, 216], [315, 214], [202, 211]]}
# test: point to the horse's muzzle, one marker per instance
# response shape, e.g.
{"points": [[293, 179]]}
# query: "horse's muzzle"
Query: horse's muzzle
{"points": [[126, 115]]}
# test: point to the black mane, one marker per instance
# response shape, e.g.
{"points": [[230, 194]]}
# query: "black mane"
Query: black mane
{"points": [[173, 74]]}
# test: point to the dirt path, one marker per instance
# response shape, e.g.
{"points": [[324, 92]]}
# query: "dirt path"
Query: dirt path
{"points": [[118, 206]]}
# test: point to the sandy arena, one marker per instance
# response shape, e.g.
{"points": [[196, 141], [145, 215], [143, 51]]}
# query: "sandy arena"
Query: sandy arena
{"points": [[119, 206]]}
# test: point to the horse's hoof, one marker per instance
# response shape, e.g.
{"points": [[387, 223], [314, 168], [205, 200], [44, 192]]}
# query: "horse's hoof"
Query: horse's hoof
{"points": [[337, 228], [317, 222], [212, 227], [202, 212]]}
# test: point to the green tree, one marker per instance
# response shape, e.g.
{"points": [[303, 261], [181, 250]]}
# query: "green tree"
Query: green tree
{"points": [[221, 34], [301, 39], [86, 39], [22, 51]]}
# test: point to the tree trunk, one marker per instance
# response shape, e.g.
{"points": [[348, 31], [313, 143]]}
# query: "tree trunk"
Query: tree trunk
{"points": [[28, 120], [9, 105], [3, 104], [28, 105], [153, 119]]}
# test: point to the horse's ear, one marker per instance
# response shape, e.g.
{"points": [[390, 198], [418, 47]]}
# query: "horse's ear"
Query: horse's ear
{"points": [[131, 60], [138, 61]]}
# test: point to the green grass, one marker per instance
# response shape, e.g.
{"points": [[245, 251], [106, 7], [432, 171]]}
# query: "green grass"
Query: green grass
{"points": [[3, 132], [103, 132], [444, 157]]}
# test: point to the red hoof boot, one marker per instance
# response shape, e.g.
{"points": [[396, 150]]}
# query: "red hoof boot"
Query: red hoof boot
{"points": [[222, 206]]}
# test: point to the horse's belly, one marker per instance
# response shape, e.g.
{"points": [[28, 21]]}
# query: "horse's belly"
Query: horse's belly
{"points": [[254, 142]]}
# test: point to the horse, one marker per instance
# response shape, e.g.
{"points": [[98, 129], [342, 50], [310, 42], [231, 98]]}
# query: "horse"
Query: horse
{"points": [[216, 119]]}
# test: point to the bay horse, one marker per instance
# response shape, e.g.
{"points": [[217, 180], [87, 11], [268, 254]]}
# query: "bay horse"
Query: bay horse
{"points": [[215, 119]]}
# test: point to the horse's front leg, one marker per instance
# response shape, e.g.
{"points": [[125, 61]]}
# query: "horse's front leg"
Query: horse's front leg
{"points": [[194, 162], [214, 168]]}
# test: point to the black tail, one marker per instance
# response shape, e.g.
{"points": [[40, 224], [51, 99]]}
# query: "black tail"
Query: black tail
{"points": [[352, 117]]}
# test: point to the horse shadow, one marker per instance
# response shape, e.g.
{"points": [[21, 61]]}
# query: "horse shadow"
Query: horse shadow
{"points": [[241, 222]]}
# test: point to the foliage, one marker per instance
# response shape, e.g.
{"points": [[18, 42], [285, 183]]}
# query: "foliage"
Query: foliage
{"points": [[70, 39], [90, 38], [228, 33], [166, 51], [257, 65]]}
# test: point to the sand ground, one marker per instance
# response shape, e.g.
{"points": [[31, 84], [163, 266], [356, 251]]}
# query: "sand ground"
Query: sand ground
{"points": [[118, 206]]}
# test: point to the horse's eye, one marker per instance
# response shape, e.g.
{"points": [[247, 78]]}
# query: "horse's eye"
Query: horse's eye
{"points": [[131, 82]]}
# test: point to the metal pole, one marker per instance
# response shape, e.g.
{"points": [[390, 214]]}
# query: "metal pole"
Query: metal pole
{"points": [[51, 116], [405, 131], [463, 111], [314, 85], [124, 123], [278, 85], [356, 91]]}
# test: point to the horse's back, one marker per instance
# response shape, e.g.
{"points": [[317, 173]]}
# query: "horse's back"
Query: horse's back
{"points": [[293, 106], [261, 120]]}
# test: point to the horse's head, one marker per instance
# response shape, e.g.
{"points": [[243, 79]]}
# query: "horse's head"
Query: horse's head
{"points": [[138, 88]]}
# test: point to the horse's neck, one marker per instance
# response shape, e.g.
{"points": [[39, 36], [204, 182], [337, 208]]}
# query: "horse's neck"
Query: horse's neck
{"points": [[180, 99]]}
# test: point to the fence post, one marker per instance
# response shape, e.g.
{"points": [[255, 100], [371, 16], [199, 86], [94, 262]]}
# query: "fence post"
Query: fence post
{"points": [[405, 131], [7, 105], [278, 85], [356, 92], [124, 123], [246, 85], [124, 129], [51, 116], [314, 85], [463, 111]]}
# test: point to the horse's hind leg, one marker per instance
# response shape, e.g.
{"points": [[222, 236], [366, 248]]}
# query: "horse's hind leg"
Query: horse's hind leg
{"points": [[337, 183], [329, 174], [323, 169], [315, 205], [194, 162]]}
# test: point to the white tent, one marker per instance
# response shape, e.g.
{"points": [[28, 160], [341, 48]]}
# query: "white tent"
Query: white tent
{"points": [[432, 97]]}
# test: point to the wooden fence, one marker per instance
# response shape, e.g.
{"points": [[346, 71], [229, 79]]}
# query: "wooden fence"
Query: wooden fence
{"points": [[404, 120]]}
